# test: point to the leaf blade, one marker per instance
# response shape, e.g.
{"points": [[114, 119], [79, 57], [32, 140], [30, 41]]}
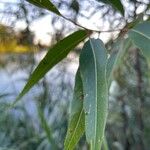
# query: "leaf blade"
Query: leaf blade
{"points": [[77, 118], [46, 127], [140, 36], [115, 60], [93, 61], [115, 4], [47, 4], [54, 55]]}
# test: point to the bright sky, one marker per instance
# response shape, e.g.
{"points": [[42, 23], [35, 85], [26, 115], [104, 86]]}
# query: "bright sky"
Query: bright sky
{"points": [[44, 30]]}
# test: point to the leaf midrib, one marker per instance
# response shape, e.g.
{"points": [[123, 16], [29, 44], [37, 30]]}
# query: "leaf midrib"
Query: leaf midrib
{"points": [[96, 106], [136, 31]]}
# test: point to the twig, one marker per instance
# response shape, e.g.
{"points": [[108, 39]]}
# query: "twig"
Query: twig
{"points": [[98, 31]]}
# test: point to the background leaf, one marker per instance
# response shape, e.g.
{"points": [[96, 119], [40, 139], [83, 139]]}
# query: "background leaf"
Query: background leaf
{"points": [[46, 128], [54, 55], [140, 35], [93, 61], [115, 4], [115, 59], [47, 4], [77, 117]]}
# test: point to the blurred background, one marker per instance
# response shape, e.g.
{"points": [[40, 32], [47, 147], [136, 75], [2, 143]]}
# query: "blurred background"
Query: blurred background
{"points": [[39, 120]]}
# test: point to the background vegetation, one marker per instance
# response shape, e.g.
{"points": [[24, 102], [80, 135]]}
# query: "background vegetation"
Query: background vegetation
{"points": [[40, 121]]}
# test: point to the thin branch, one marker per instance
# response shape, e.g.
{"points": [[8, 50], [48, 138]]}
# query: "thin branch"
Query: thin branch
{"points": [[98, 31]]}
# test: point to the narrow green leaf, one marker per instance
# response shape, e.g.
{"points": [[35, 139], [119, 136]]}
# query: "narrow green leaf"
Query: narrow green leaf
{"points": [[115, 4], [46, 128], [93, 60], [115, 59], [110, 64], [44, 124], [140, 35], [54, 55], [77, 118], [47, 4]]}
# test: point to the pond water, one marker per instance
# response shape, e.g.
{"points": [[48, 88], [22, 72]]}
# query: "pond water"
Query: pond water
{"points": [[16, 70]]}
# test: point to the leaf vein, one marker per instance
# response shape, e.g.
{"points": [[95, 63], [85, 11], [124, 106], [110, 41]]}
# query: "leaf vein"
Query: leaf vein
{"points": [[136, 31], [75, 128]]}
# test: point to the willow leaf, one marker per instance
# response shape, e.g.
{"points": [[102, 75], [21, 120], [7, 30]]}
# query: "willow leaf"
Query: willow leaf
{"points": [[46, 4], [54, 55], [115, 59], [93, 60], [46, 128], [77, 118], [115, 4], [140, 35]]}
